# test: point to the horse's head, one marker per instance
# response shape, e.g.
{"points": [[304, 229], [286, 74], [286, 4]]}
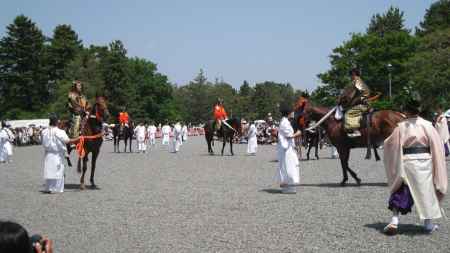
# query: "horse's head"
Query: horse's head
{"points": [[101, 109]]}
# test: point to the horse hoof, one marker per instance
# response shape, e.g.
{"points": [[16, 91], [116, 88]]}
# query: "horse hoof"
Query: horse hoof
{"points": [[344, 182], [82, 186], [358, 181]]}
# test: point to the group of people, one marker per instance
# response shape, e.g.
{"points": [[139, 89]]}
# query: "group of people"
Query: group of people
{"points": [[146, 135]]}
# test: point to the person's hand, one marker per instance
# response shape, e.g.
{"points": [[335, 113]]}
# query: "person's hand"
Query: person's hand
{"points": [[440, 196], [48, 246]]}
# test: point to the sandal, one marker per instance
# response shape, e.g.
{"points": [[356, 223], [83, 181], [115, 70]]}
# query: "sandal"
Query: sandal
{"points": [[390, 229]]}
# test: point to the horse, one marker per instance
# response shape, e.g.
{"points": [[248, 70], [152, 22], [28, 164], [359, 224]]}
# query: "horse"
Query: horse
{"points": [[312, 139], [224, 132], [382, 124], [91, 139], [125, 133]]}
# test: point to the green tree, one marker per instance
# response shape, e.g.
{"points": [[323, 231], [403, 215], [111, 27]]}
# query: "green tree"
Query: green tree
{"points": [[64, 46], [23, 76], [389, 22], [115, 72], [437, 17]]}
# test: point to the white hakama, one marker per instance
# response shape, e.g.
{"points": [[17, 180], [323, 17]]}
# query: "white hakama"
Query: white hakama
{"points": [[6, 147], [288, 168], [151, 130], [177, 138], [184, 131], [54, 142], [140, 137], [165, 130], [252, 143]]}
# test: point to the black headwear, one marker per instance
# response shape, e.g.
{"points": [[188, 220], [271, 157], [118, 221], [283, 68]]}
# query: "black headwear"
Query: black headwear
{"points": [[413, 102], [53, 118], [285, 109]]}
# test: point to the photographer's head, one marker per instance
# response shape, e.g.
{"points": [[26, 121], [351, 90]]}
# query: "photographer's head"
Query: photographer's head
{"points": [[14, 238]]}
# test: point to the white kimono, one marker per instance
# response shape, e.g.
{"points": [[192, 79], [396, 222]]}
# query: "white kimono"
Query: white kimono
{"points": [[442, 128], [288, 170], [424, 173], [184, 131], [165, 130], [151, 131], [140, 138], [177, 138], [6, 147], [54, 142], [252, 142]]}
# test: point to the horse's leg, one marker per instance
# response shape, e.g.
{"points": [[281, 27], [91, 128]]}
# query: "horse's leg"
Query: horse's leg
{"points": [[231, 145], [344, 163], [85, 159], [343, 156], [309, 150], [126, 142], [79, 165], [375, 151], [224, 142], [131, 140], [317, 150], [93, 163]]}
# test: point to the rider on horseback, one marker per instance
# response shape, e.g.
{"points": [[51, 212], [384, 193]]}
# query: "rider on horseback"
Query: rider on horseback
{"points": [[78, 107], [354, 101], [123, 117], [220, 115]]}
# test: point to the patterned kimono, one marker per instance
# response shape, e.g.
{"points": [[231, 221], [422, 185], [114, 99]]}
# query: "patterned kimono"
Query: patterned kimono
{"points": [[358, 92]]}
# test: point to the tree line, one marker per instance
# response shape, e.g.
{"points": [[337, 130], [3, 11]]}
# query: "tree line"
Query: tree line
{"points": [[36, 73]]}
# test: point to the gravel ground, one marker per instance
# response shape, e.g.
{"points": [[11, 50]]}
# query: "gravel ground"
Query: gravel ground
{"points": [[193, 202]]}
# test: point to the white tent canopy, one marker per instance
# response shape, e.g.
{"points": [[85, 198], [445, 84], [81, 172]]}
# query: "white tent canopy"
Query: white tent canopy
{"points": [[28, 122]]}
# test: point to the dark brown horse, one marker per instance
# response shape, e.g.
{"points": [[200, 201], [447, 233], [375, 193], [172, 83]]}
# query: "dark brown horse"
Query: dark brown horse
{"points": [[125, 134], [382, 124], [91, 139], [225, 133]]}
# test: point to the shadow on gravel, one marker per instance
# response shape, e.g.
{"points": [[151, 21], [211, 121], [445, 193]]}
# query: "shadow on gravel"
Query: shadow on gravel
{"points": [[271, 191], [76, 187], [403, 229], [337, 185]]}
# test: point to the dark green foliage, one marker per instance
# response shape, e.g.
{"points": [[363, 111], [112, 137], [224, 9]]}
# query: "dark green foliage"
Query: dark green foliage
{"points": [[24, 83], [436, 18], [391, 21]]}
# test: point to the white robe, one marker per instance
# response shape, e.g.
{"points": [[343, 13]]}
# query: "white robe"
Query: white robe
{"points": [[252, 143], [424, 173], [3, 149], [54, 142], [184, 131], [165, 130], [442, 128], [140, 137], [288, 169], [151, 131], [177, 138]]}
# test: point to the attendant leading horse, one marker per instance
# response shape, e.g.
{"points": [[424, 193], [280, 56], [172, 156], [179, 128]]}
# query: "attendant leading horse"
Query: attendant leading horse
{"points": [[382, 124], [224, 132]]}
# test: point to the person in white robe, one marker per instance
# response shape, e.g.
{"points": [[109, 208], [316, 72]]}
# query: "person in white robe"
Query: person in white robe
{"points": [[165, 130], [184, 132], [252, 141], [151, 131], [140, 132], [442, 128], [6, 140], [54, 142], [177, 138], [415, 168], [288, 174]]}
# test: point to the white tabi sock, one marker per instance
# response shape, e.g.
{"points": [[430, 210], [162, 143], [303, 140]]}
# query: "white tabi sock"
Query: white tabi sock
{"points": [[428, 224], [395, 220]]}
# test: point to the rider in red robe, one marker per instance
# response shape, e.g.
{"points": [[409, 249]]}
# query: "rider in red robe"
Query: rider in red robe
{"points": [[219, 113], [123, 118]]}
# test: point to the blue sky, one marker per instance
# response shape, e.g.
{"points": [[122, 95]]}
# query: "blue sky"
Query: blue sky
{"points": [[237, 40]]}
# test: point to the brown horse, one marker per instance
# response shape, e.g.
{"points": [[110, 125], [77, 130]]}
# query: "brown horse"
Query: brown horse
{"points": [[225, 133], [382, 124]]}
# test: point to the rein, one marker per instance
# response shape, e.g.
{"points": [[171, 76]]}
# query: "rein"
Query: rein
{"points": [[80, 145]]}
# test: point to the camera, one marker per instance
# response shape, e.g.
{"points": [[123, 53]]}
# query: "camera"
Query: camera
{"points": [[38, 239]]}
